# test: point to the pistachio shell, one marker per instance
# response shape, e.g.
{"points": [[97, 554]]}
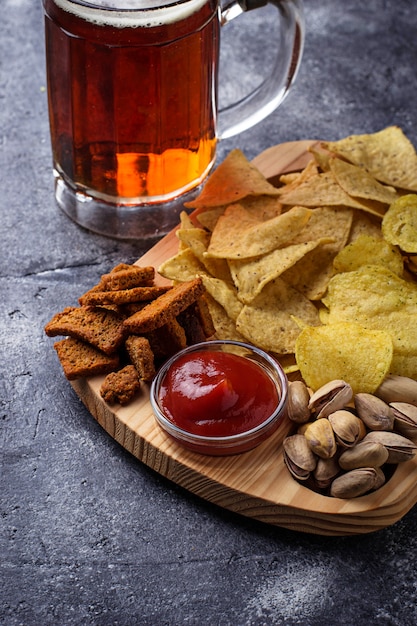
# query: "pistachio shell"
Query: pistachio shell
{"points": [[325, 472], [298, 399], [396, 388], [298, 456], [364, 454], [347, 427], [400, 448], [405, 416], [330, 397], [355, 483], [321, 439], [374, 412]]}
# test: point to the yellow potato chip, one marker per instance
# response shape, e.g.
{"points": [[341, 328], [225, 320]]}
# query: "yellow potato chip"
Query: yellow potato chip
{"points": [[268, 321], [367, 250], [238, 235], [388, 155], [311, 274], [234, 178], [358, 183], [404, 365], [344, 351], [251, 275], [399, 225], [369, 291]]}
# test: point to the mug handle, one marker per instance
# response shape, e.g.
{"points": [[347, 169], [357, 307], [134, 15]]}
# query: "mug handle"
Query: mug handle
{"points": [[263, 100]]}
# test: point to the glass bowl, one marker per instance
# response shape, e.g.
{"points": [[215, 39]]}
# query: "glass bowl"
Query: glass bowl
{"points": [[249, 435]]}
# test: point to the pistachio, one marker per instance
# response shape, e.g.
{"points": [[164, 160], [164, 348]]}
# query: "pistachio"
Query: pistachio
{"points": [[364, 454], [330, 397], [396, 388], [321, 439], [298, 399], [374, 412], [347, 427], [325, 472], [399, 448], [356, 483], [298, 456], [405, 416]]}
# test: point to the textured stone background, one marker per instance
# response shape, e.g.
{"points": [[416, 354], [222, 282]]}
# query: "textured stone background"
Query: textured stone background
{"points": [[90, 536]]}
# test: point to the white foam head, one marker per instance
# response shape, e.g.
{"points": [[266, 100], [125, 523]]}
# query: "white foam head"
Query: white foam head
{"points": [[131, 13]]}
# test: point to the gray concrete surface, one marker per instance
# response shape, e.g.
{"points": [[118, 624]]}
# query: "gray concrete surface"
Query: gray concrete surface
{"points": [[90, 536]]}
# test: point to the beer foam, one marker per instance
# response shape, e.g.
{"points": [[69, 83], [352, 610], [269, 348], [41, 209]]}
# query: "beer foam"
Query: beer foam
{"points": [[131, 13]]}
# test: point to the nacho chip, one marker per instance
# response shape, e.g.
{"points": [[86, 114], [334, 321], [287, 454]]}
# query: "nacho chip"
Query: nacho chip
{"points": [[344, 351], [238, 235], [224, 325], [388, 155], [182, 267], [234, 178], [399, 225], [359, 184], [225, 294], [208, 219], [197, 239], [250, 276], [364, 224], [322, 190], [366, 250], [268, 321], [311, 274]]}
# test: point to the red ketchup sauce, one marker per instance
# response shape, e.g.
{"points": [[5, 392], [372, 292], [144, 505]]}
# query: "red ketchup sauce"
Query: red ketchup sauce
{"points": [[217, 394]]}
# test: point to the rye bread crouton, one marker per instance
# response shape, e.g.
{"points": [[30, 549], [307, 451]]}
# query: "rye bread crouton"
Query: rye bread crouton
{"points": [[121, 386], [168, 306], [122, 296], [128, 277], [141, 355], [79, 359], [99, 327]]}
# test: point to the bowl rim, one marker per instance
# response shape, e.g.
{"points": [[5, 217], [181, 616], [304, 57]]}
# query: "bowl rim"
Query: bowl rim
{"points": [[229, 439]]}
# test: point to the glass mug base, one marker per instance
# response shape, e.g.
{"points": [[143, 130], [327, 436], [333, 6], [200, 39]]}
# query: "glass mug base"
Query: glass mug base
{"points": [[121, 220]]}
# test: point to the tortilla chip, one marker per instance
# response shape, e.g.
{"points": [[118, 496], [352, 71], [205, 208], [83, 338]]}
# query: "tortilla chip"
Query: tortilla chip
{"points": [[238, 235], [197, 239], [359, 184], [234, 178], [388, 155], [224, 325], [311, 274], [225, 294], [322, 190], [182, 267], [268, 321], [251, 276]]}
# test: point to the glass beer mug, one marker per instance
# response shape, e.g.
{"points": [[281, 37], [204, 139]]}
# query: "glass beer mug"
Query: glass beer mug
{"points": [[132, 94]]}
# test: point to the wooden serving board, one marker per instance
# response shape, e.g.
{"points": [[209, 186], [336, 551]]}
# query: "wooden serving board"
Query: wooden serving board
{"points": [[255, 484]]}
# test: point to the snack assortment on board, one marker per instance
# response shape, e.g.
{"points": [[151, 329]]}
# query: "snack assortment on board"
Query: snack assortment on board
{"points": [[320, 271], [126, 326], [317, 268]]}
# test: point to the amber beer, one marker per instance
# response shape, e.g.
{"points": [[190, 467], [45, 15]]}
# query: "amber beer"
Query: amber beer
{"points": [[132, 96]]}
